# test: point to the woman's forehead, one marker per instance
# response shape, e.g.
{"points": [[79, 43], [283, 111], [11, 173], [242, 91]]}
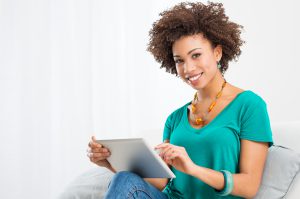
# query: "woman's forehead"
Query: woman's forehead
{"points": [[187, 43]]}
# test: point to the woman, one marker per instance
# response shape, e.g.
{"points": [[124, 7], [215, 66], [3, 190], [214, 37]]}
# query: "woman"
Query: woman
{"points": [[216, 144]]}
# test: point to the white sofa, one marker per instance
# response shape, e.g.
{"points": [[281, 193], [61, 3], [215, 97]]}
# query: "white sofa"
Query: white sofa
{"points": [[288, 134], [93, 183]]}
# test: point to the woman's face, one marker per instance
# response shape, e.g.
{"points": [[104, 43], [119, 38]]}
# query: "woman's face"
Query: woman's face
{"points": [[196, 60]]}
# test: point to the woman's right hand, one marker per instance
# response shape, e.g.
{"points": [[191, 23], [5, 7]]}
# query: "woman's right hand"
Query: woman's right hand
{"points": [[98, 154]]}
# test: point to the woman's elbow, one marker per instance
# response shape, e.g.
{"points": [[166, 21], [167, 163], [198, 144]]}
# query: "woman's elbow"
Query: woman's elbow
{"points": [[252, 191]]}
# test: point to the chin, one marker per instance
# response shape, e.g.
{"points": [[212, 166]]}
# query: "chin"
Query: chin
{"points": [[198, 86], [202, 83]]}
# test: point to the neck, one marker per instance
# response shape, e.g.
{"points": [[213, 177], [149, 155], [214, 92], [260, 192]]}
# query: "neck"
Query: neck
{"points": [[212, 88]]}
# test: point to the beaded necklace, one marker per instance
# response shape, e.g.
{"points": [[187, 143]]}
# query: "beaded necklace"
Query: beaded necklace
{"points": [[199, 120]]}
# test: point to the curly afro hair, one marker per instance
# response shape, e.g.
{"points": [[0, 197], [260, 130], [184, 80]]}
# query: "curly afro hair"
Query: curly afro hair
{"points": [[188, 18]]}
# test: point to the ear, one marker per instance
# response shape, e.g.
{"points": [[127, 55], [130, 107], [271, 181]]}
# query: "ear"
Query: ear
{"points": [[218, 52]]}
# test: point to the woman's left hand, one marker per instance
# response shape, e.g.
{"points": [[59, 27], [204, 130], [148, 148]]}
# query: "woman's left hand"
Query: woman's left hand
{"points": [[176, 156]]}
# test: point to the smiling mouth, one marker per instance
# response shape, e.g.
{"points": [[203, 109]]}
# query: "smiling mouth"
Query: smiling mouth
{"points": [[194, 78]]}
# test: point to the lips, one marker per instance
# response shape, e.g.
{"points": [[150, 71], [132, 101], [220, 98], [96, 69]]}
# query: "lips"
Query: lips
{"points": [[193, 79]]}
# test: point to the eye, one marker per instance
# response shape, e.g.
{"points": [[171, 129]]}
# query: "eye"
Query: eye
{"points": [[196, 55], [178, 61]]}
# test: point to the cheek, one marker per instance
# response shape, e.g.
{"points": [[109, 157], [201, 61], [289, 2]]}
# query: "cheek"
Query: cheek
{"points": [[205, 60], [208, 63], [179, 70]]}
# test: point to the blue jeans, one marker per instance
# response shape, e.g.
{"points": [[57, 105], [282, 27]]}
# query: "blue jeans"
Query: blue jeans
{"points": [[125, 185]]}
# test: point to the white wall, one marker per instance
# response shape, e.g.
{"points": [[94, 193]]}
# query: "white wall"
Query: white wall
{"points": [[70, 69]]}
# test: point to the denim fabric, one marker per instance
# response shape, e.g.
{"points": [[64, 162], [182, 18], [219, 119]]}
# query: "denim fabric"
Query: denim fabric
{"points": [[125, 185]]}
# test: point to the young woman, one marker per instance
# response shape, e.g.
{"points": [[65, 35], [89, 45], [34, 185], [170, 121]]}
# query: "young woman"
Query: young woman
{"points": [[217, 143]]}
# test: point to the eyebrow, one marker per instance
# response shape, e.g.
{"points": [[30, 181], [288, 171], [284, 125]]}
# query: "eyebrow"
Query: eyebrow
{"points": [[188, 52]]}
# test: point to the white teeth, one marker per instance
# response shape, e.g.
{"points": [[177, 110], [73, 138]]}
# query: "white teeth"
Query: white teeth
{"points": [[195, 77]]}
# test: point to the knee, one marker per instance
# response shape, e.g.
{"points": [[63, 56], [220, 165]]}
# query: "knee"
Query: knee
{"points": [[124, 177], [124, 184]]}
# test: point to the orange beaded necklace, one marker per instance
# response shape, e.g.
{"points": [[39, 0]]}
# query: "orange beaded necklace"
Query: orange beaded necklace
{"points": [[199, 120]]}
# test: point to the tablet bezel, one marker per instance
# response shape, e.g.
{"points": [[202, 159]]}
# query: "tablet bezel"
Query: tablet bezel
{"points": [[135, 155]]}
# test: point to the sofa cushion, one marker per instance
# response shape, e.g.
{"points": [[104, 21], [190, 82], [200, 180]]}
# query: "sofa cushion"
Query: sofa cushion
{"points": [[89, 185], [280, 170], [294, 190]]}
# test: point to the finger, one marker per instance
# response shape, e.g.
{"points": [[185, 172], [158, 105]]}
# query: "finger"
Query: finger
{"points": [[91, 143], [174, 155], [94, 144], [98, 155], [169, 152], [93, 140], [162, 145], [95, 160], [168, 160], [164, 151], [98, 150]]}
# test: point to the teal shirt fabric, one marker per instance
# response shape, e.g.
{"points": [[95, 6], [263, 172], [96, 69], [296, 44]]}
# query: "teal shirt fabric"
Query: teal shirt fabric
{"points": [[216, 145]]}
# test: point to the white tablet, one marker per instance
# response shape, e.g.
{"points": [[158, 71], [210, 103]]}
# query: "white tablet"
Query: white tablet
{"points": [[137, 156]]}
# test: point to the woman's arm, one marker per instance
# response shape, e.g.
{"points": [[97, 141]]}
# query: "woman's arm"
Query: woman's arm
{"points": [[159, 183], [246, 183]]}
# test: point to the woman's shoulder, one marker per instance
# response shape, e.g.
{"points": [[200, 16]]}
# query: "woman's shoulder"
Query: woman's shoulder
{"points": [[250, 105], [251, 97], [249, 100], [245, 96]]}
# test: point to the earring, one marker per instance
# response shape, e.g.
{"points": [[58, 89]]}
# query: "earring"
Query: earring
{"points": [[219, 65]]}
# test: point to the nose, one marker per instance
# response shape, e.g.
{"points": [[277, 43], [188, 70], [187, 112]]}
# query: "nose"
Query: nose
{"points": [[189, 67]]}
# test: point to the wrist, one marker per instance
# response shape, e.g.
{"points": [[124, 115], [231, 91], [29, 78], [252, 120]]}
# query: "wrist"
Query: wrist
{"points": [[111, 168], [192, 169]]}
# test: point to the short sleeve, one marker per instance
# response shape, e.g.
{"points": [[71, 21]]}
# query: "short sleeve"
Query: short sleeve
{"points": [[167, 128], [255, 122], [173, 121]]}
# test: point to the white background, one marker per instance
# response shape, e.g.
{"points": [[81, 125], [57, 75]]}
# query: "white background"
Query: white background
{"points": [[70, 69]]}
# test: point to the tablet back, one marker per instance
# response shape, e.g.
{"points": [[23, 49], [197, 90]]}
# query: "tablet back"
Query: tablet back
{"points": [[137, 156]]}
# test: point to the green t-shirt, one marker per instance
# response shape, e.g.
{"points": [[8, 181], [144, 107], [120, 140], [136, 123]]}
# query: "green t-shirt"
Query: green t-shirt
{"points": [[216, 145]]}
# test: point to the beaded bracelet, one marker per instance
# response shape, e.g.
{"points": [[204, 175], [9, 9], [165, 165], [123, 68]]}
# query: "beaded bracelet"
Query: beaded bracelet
{"points": [[228, 180]]}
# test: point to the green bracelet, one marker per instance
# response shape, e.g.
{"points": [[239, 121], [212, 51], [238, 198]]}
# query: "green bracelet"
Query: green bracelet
{"points": [[228, 180]]}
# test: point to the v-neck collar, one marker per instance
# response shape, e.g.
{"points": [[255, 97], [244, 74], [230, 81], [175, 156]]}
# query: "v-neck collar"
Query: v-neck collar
{"points": [[188, 125]]}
